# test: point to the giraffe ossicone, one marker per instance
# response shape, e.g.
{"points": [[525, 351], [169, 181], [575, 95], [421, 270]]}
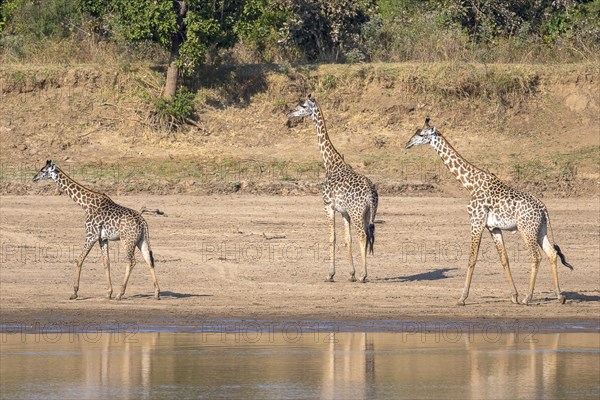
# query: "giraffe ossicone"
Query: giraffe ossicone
{"points": [[496, 206], [104, 221]]}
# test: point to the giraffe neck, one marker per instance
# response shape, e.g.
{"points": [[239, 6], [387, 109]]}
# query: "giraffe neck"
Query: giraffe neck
{"points": [[83, 196], [331, 157], [465, 172]]}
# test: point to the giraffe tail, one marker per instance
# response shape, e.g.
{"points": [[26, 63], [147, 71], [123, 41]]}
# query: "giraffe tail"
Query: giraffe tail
{"points": [[147, 243], [370, 231], [151, 258], [563, 259], [370, 237], [559, 253]]}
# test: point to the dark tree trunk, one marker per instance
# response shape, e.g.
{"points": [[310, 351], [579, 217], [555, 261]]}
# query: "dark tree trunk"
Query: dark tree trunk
{"points": [[176, 40]]}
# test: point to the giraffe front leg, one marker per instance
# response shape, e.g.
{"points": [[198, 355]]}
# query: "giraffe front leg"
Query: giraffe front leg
{"points": [[89, 243], [476, 231], [331, 250], [348, 239], [106, 262], [331, 220], [499, 242]]}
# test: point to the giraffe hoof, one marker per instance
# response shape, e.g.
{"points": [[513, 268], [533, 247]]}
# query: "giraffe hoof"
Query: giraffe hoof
{"points": [[73, 296], [515, 299], [352, 278], [330, 279], [119, 297], [363, 279], [562, 299], [157, 296], [460, 302], [526, 300]]}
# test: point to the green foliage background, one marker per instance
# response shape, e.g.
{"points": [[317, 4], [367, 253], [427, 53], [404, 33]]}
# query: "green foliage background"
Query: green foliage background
{"points": [[321, 30]]}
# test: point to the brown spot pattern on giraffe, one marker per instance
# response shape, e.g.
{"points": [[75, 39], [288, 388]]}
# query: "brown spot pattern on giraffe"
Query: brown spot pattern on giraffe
{"points": [[105, 221]]}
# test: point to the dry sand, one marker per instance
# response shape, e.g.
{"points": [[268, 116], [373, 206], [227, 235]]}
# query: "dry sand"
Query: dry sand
{"points": [[243, 257]]}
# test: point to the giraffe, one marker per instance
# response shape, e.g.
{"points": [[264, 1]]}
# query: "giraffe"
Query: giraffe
{"points": [[496, 206], [104, 221], [351, 194]]}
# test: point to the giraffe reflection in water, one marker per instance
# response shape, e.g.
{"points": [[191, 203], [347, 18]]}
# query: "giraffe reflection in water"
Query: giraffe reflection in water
{"points": [[441, 364]]}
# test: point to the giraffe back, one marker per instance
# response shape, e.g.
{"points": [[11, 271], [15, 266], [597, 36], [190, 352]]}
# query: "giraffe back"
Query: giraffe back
{"points": [[349, 191], [115, 222], [506, 207]]}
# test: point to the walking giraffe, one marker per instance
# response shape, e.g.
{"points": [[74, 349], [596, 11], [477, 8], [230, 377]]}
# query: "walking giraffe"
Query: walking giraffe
{"points": [[345, 191], [104, 220], [497, 207]]}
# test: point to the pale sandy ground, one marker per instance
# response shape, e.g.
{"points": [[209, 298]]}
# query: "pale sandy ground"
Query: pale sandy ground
{"points": [[243, 257]]}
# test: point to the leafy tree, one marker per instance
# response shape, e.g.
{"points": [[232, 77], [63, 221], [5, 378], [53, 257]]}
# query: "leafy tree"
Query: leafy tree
{"points": [[37, 19], [487, 20], [260, 24], [326, 28], [188, 29]]}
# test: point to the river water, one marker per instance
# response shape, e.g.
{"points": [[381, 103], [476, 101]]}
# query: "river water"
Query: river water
{"points": [[300, 364]]}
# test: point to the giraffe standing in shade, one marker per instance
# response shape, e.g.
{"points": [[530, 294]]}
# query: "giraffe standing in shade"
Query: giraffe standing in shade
{"points": [[345, 191], [104, 220], [497, 207]]}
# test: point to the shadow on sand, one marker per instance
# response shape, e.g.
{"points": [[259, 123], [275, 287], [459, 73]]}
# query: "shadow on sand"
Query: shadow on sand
{"points": [[164, 295], [580, 296], [432, 275]]}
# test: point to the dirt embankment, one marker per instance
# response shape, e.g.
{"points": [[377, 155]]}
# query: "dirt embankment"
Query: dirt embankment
{"points": [[533, 125]]}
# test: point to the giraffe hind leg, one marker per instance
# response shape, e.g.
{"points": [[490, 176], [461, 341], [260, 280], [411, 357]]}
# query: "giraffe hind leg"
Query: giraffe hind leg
{"points": [[551, 253], [362, 228], [363, 254], [129, 247], [531, 242], [149, 258]]}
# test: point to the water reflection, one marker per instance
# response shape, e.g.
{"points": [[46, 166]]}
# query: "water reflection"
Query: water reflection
{"points": [[310, 365]]}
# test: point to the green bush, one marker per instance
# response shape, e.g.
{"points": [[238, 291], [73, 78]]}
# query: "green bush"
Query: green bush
{"points": [[175, 112], [40, 19]]}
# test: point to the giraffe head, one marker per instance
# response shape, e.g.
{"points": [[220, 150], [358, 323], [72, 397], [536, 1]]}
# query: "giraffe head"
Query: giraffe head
{"points": [[423, 136], [306, 109], [48, 172]]}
